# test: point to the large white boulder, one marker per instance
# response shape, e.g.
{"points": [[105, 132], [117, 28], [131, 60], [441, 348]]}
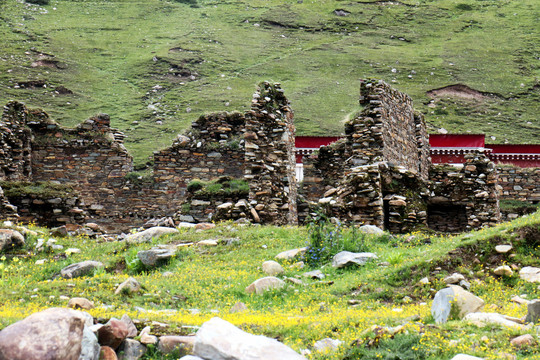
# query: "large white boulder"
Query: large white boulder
{"points": [[463, 301], [218, 339]]}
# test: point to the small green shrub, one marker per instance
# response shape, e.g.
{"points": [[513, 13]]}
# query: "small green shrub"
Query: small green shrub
{"points": [[327, 239], [399, 347]]}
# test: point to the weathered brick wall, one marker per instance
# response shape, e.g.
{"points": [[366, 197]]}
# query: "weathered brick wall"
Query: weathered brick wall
{"points": [[519, 183], [269, 156]]}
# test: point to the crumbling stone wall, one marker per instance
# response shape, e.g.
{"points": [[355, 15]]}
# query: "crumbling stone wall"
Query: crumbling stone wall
{"points": [[468, 195], [405, 197], [214, 147], [49, 204], [325, 169], [388, 129], [269, 156], [15, 147]]}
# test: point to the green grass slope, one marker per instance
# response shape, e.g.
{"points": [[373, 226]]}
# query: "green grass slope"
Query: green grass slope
{"points": [[155, 65], [378, 310]]}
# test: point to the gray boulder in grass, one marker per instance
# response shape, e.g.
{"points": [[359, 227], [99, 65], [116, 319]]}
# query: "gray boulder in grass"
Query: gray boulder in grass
{"points": [[148, 234]]}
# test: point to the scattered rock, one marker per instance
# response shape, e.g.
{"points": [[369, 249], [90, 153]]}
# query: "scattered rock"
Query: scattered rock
{"points": [[168, 344], [10, 239], [218, 339], [519, 300], [54, 333], [267, 283], [112, 333], [130, 286], [483, 319], [155, 256], [503, 249], [371, 229], [146, 338], [89, 346], [504, 270], [345, 258], [131, 350], [272, 268], [454, 278], [132, 329], [204, 226], [523, 341], [80, 303], [327, 344], [107, 354], [238, 307], [465, 357], [290, 254], [149, 234], [530, 274], [464, 301], [315, 274], [60, 231], [209, 242], [80, 269], [533, 311]]}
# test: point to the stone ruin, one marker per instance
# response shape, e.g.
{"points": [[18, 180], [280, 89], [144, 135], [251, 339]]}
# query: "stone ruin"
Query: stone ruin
{"points": [[380, 173]]}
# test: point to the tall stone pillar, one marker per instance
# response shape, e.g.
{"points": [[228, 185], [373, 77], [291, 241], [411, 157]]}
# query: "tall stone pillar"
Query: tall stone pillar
{"points": [[269, 157]]}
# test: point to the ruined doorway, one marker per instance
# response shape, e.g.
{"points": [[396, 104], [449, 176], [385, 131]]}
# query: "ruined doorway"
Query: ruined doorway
{"points": [[447, 217]]}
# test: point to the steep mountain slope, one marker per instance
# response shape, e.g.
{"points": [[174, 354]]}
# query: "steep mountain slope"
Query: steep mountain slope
{"points": [[154, 65]]}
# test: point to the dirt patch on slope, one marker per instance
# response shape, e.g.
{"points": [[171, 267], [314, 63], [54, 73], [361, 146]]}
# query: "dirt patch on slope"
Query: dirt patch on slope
{"points": [[458, 90]]}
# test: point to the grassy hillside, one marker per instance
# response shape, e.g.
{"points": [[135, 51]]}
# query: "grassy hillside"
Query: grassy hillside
{"points": [[155, 65], [348, 304]]}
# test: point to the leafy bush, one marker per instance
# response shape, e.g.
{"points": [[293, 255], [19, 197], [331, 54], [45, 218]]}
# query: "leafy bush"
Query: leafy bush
{"points": [[327, 239]]}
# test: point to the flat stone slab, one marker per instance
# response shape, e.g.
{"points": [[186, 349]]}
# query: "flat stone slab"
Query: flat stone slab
{"points": [[149, 234], [345, 258], [80, 269], [484, 319]]}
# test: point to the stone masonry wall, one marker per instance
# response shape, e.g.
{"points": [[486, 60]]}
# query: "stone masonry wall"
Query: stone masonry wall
{"points": [[469, 192], [269, 156], [214, 147], [15, 147], [389, 129], [519, 183]]}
